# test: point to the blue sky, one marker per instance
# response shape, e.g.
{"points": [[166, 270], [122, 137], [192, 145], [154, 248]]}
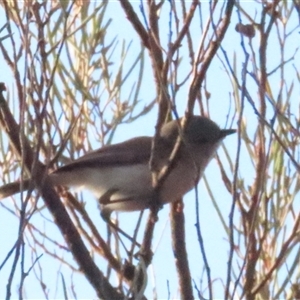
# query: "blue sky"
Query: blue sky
{"points": [[216, 245]]}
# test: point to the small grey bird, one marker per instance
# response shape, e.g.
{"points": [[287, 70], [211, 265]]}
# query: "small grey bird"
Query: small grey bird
{"points": [[119, 174]]}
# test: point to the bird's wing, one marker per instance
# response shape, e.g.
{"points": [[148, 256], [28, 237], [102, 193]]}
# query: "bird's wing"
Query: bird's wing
{"points": [[133, 151]]}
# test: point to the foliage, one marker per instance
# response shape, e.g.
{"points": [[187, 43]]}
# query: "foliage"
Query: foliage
{"points": [[76, 81]]}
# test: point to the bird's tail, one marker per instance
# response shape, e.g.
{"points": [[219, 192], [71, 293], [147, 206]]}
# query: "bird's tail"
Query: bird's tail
{"points": [[10, 189]]}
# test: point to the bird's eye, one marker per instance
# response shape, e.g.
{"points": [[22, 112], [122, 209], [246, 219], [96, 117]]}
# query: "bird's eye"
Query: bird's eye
{"points": [[202, 141]]}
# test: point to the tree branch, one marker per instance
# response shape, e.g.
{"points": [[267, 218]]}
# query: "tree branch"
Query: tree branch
{"points": [[55, 206]]}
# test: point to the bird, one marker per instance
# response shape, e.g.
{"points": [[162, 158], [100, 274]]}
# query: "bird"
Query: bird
{"points": [[119, 174]]}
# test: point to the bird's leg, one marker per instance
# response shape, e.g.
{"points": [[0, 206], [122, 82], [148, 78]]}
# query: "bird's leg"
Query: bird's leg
{"points": [[105, 198], [105, 214]]}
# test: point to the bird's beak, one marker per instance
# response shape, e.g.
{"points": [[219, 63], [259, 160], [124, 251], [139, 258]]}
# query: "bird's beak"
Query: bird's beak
{"points": [[225, 132]]}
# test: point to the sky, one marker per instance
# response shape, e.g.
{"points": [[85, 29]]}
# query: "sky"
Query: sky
{"points": [[163, 279]]}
